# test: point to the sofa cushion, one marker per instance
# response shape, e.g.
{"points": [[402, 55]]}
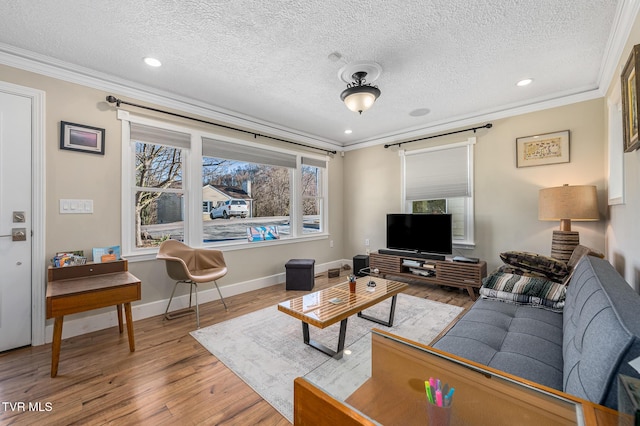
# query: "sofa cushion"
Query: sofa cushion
{"points": [[553, 269], [519, 340], [601, 331], [524, 290]]}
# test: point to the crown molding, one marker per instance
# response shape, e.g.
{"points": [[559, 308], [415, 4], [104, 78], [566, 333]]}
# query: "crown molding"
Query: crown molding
{"points": [[481, 117], [626, 15], [51, 67]]}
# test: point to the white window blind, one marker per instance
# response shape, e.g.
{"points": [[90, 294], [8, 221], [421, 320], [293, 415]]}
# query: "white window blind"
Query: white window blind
{"points": [[249, 154], [443, 172], [314, 162], [158, 136]]}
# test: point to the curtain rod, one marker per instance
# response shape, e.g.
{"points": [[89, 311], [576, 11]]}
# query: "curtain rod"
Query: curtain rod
{"points": [[486, 126], [112, 99]]}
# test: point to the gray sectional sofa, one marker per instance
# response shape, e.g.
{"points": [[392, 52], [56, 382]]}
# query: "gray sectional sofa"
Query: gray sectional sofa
{"points": [[580, 350]]}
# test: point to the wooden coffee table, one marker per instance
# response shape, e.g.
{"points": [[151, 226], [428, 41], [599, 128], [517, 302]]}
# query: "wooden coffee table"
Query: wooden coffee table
{"points": [[326, 307]]}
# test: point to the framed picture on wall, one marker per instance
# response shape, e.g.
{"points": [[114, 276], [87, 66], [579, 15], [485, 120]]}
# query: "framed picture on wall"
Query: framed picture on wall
{"points": [[542, 149], [78, 137], [630, 80]]}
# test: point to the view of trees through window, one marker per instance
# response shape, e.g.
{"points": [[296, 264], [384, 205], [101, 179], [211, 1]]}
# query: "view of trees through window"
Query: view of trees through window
{"points": [[158, 177], [159, 196], [269, 187], [311, 197]]}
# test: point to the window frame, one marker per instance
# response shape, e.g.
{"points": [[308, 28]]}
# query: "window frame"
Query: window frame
{"points": [[307, 161], [469, 206], [192, 187]]}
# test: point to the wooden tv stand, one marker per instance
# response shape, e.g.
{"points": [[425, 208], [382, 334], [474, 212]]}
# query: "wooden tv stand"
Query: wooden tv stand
{"points": [[439, 272]]}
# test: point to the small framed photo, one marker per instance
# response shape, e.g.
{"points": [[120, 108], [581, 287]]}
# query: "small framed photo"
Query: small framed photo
{"points": [[543, 149], [630, 101], [78, 137]]}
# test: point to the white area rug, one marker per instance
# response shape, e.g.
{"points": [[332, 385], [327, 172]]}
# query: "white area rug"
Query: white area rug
{"points": [[265, 348]]}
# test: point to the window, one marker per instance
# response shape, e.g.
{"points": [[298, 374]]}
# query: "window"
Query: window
{"points": [[312, 195], [207, 206], [440, 180], [158, 191], [247, 173], [205, 189]]}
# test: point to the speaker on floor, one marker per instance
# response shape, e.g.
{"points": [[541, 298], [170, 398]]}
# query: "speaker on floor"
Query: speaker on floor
{"points": [[361, 265]]}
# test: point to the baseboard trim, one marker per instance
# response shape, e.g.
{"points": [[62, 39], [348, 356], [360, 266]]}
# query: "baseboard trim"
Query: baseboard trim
{"points": [[78, 326]]}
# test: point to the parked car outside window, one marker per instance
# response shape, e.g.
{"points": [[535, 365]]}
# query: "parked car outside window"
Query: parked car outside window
{"points": [[230, 208]]}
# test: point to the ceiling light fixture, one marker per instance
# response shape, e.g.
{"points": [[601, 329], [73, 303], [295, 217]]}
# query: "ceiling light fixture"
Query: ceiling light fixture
{"points": [[348, 131], [359, 95], [525, 82], [152, 62]]}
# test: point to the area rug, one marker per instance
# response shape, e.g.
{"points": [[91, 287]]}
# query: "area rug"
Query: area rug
{"points": [[265, 348]]}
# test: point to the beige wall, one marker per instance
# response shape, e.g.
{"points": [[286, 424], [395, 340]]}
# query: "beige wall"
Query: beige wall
{"points": [[623, 232], [364, 185], [506, 197], [86, 176]]}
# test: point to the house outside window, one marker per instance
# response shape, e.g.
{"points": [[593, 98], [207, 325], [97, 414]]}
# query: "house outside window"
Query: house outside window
{"points": [[440, 180], [205, 189], [266, 199]]}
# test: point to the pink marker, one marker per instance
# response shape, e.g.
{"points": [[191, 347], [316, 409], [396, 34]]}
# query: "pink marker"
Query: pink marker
{"points": [[439, 398]]}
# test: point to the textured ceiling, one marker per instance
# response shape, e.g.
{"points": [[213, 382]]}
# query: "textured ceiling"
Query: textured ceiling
{"points": [[269, 60]]}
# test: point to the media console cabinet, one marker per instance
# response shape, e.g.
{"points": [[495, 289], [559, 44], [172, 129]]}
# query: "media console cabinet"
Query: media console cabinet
{"points": [[440, 272]]}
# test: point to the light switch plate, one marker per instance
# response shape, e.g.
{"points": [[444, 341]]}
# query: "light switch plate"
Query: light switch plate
{"points": [[73, 206]]}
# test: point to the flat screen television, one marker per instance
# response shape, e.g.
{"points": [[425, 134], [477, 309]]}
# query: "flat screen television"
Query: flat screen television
{"points": [[421, 233]]}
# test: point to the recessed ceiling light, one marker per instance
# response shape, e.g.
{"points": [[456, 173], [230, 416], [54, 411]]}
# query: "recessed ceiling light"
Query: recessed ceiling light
{"points": [[152, 62], [419, 112], [524, 82], [348, 131]]}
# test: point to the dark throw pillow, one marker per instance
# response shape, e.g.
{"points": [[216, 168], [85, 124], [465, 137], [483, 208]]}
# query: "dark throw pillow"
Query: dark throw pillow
{"points": [[551, 268]]}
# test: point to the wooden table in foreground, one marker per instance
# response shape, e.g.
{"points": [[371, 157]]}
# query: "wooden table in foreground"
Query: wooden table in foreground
{"points": [[80, 288], [321, 309], [395, 394]]}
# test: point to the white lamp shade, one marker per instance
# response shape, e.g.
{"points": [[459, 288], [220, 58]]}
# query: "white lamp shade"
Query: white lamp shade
{"points": [[360, 101]]}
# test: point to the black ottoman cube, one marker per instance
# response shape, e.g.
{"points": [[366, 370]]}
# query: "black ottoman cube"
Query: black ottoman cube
{"points": [[300, 274]]}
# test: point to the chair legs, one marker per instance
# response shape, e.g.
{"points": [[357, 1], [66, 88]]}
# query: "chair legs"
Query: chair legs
{"points": [[186, 311], [221, 298]]}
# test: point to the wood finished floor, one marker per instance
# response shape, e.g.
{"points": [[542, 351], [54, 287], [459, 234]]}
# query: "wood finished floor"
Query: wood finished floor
{"points": [[169, 379]]}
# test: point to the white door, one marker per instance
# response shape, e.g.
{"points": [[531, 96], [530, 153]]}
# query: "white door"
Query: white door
{"points": [[15, 221]]}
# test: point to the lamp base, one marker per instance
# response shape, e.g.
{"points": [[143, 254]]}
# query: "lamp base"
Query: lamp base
{"points": [[563, 243]]}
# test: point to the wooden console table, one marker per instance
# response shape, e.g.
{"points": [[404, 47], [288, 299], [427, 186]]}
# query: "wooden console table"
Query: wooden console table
{"points": [[81, 288], [441, 272]]}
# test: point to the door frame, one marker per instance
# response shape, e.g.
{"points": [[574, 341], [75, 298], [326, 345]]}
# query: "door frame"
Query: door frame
{"points": [[38, 206]]}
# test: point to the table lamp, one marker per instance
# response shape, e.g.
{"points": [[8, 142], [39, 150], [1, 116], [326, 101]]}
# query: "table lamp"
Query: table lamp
{"points": [[566, 203]]}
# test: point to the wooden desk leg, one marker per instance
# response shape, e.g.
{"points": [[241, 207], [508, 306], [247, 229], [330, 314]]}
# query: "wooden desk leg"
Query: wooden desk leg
{"points": [[55, 345], [127, 311], [119, 309]]}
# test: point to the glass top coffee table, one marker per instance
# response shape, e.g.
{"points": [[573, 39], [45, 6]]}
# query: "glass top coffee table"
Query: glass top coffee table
{"points": [[336, 304]]}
